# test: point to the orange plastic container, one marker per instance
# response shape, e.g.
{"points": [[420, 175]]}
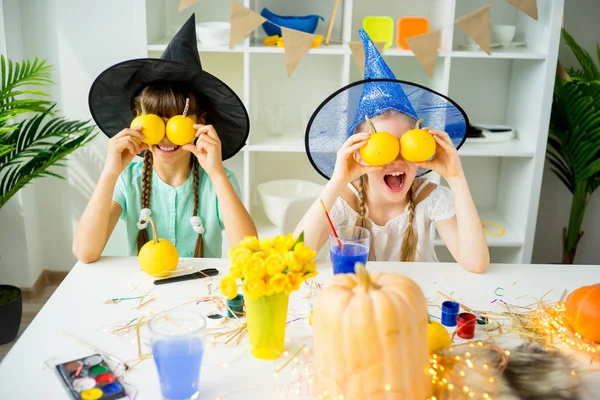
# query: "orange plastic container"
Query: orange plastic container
{"points": [[408, 27]]}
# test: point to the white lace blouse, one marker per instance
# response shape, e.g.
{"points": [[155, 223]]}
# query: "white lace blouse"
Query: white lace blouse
{"points": [[387, 239]]}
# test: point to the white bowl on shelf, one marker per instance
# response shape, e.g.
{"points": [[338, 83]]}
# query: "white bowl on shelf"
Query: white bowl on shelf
{"points": [[213, 33], [277, 195], [503, 34]]}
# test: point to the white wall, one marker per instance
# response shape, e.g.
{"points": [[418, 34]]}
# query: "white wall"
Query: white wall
{"points": [[581, 21], [16, 267], [80, 38]]}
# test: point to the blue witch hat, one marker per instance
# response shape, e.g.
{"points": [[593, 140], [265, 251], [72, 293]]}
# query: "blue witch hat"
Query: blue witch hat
{"points": [[337, 117], [378, 97]]}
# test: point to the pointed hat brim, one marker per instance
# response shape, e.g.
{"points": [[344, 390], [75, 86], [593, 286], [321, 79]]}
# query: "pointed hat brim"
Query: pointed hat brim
{"points": [[111, 94], [330, 125]]}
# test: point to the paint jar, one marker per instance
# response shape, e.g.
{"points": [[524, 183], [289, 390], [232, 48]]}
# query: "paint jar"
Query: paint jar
{"points": [[214, 319], [236, 305], [466, 325], [449, 313]]}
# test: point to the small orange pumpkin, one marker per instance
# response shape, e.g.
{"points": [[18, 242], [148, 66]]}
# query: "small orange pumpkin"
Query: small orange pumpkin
{"points": [[583, 311], [370, 338]]}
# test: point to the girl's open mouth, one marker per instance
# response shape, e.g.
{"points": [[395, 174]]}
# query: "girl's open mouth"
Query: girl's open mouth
{"points": [[167, 149], [394, 181]]}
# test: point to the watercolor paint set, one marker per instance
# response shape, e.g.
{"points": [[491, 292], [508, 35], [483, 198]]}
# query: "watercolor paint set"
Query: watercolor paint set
{"points": [[90, 378]]}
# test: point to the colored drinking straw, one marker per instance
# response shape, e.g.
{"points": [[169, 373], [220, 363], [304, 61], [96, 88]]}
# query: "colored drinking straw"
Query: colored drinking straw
{"points": [[331, 224]]}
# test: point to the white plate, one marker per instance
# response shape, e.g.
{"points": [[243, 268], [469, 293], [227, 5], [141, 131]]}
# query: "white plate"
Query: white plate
{"points": [[510, 45], [476, 46], [513, 45], [492, 137]]}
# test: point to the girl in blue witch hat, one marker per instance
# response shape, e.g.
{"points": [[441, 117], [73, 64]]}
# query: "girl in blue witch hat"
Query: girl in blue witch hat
{"points": [[394, 202], [186, 189]]}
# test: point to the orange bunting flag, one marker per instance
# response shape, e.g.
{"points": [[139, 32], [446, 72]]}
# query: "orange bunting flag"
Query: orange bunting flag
{"points": [[476, 25], [296, 45], [243, 22], [358, 53], [183, 4], [425, 48], [529, 7]]}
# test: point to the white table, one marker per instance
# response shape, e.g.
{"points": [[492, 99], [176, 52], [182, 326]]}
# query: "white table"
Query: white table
{"points": [[77, 307]]}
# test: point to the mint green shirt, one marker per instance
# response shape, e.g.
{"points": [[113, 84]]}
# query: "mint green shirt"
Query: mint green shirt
{"points": [[171, 209]]}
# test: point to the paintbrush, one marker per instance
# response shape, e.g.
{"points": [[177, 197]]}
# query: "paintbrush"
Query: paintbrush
{"points": [[95, 349]]}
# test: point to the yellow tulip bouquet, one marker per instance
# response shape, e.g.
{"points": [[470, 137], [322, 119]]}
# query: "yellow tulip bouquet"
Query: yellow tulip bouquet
{"points": [[268, 266]]}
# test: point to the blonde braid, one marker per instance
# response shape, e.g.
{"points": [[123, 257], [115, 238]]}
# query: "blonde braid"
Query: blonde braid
{"points": [[362, 206], [142, 237], [409, 241], [199, 248], [362, 210]]}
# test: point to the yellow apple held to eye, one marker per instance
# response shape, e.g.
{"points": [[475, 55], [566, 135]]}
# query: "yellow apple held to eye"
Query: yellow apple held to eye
{"points": [[180, 130], [158, 257], [417, 145], [381, 149], [153, 128]]}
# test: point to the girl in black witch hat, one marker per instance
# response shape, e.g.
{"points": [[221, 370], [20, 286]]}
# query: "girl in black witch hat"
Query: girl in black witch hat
{"points": [[186, 189]]}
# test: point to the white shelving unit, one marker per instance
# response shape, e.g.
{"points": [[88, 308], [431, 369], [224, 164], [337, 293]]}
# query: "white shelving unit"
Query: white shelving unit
{"points": [[510, 86]]}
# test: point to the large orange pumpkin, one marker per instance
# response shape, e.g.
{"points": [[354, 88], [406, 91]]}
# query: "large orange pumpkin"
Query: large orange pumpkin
{"points": [[370, 338], [583, 311]]}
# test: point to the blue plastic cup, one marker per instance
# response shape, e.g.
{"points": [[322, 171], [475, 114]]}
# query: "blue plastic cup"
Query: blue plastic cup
{"points": [[450, 311], [355, 241], [178, 344]]}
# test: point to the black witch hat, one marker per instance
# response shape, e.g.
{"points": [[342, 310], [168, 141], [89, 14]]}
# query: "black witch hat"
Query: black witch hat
{"points": [[112, 93]]}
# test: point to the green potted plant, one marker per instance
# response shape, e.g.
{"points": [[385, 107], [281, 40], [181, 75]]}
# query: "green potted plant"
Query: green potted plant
{"points": [[32, 140], [574, 138]]}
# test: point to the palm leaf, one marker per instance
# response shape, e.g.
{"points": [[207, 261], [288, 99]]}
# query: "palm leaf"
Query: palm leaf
{"points": [[16, 80], [574, 139], [40, 143], [5, 149], [562, 171], [576, 123], [31, 147], [589, 71]]}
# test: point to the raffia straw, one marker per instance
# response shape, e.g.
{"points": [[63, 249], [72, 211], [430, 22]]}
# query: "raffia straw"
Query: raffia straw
{"points": [[93, 348], [452, 299], [146, 302], [239, 332], [137, 325], [278, 370], [139, 342]]}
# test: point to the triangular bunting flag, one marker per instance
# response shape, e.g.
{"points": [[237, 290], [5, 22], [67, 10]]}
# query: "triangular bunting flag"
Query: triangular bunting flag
{"points": [[183, 4], [296, 45], [243, 22], [425, 48], [529, 7], [476, 25], [561, 72], [358, 53]]}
